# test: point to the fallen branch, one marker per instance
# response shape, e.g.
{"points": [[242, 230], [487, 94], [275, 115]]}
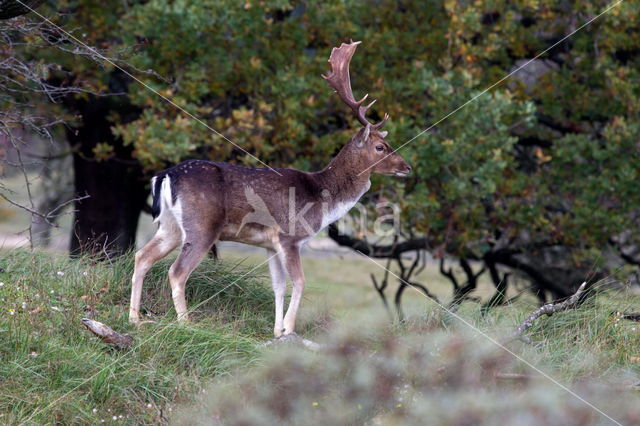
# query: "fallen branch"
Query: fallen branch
{"points": [[548, 309], [107, 334], [632, 317]]}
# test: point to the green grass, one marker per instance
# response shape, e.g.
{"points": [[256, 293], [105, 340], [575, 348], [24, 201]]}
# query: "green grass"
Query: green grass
{"points": [[439, 371], [53, 371], [591, 341]]}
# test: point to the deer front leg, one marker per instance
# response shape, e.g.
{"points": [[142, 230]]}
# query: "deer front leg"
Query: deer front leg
{"points": [[294, 268], [279, 284]]}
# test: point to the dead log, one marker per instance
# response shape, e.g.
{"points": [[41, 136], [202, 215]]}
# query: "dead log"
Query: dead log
{"points": [[107, 334], [548, 309]]}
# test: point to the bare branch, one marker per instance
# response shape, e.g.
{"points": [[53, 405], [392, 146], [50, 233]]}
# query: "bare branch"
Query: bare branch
{"points": [[23, 207], [405, 281], [461, 293], [501, 284], [52, 213], [45, 216], [548, 309], [449, 274], [425, 291]]}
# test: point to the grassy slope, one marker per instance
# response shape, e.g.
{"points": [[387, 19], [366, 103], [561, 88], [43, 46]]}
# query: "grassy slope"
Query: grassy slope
{"points": [[53, 370]]}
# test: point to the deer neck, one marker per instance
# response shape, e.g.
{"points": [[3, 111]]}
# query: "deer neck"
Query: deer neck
{"points": [[346, 178]]}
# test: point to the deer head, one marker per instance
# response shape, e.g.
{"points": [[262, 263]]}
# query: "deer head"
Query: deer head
{"points": [[376, 155]]}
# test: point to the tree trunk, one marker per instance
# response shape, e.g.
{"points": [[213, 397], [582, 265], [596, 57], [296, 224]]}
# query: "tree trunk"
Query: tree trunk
{"points": [[107, 221], [12, 8]]}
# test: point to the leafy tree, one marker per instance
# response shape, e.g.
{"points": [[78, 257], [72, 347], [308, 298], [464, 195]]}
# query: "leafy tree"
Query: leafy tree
{"points": [[544, 182], [536, 174]]}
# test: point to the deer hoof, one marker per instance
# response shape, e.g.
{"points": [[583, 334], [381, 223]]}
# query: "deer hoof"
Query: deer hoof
{"points": [[138, 322], [184, 319]]}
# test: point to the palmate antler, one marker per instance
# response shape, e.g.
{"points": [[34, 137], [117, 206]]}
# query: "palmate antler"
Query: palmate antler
{"points": [[339, 79]]}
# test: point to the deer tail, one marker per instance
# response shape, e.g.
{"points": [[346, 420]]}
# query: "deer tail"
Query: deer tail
{"points": [[160, 190]]}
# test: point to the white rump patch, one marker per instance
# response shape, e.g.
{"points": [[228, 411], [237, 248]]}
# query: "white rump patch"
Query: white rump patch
{"points": [[165, 197], [170, 213]]}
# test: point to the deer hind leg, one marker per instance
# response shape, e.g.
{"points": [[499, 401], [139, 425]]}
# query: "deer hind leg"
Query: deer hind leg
{"points": [[195, 246], [279, 284], [294, 268], [163, 242]]}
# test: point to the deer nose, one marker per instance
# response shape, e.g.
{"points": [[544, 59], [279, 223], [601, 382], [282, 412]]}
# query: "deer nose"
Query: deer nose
{"points": [[408, 168]]}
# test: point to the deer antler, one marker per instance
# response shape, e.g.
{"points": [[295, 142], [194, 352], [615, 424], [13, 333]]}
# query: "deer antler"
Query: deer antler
{"points": [[339, 79]]}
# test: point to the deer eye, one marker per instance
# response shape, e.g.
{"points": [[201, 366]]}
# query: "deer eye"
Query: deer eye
{"points": [[379, 148]]}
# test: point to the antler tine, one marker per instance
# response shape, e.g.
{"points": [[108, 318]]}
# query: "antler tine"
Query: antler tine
{"points": [[364, 98], [340, 80], [382, 122]]}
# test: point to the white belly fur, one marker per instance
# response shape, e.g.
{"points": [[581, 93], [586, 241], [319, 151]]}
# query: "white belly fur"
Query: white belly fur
{"points": [[340, 209]]}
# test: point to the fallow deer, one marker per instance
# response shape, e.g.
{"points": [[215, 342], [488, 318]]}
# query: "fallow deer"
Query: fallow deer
{"points": [[198, 203]]}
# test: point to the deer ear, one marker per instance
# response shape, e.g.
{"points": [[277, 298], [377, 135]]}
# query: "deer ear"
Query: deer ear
{"points": [[384, 134], [364, 135]]}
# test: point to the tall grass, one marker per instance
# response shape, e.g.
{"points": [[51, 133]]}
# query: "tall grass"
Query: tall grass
{"points": [[371, 373], [434, 369], [53, 371]]}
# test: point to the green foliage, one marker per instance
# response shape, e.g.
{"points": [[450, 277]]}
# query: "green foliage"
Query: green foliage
{"points": [[465, 164], [554, 159], [549, 159], [252, 71], [52, 369], [570, 178]]}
